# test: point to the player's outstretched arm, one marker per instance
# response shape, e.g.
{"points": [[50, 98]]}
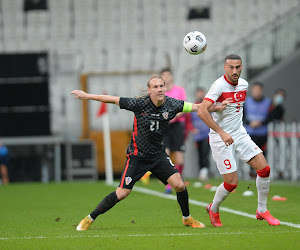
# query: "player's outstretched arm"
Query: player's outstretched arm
{"points": [[204, 114], [79, 94], [220, 107], [213, 108]]}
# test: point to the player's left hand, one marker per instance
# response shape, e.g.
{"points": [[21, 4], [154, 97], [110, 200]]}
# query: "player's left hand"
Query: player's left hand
{"points": [[223, 104]]}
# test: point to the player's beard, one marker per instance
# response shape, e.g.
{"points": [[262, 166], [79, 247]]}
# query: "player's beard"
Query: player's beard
{"points": [[235, 78]]}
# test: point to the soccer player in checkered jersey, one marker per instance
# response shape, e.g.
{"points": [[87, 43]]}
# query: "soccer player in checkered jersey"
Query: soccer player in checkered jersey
{"points": [[228, 138], [146, 151]]}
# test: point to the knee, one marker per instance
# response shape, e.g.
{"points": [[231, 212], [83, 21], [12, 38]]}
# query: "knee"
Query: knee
{"points": [[179, 186], [263, 173], [233, 180], [122, 193], [230, 187]]}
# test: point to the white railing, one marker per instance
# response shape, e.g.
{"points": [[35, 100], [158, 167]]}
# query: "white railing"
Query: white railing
{"points": [[283, 150], [283, 153]]}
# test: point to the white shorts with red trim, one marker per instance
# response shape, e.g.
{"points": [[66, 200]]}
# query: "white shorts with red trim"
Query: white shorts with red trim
{"points": [[225, 156]]}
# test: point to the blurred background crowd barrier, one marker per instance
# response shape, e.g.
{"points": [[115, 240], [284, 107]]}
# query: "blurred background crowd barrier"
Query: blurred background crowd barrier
{"points": [[50, 47]]}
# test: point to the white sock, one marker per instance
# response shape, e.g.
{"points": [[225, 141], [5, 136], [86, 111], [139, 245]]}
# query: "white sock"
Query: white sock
{"points": [[220, 195], [262, 185], [91, 218], [186, 217]]}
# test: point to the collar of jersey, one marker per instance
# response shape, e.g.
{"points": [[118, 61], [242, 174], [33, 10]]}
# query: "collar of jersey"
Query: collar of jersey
{"points": [[230, 82], [160, 105]]}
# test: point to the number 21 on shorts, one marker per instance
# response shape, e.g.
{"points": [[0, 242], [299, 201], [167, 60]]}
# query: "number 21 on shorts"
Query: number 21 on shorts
{"points": [[227, 164]]}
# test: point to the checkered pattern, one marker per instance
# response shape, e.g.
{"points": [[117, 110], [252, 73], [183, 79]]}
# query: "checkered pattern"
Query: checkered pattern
{"points": [[150, 123]]}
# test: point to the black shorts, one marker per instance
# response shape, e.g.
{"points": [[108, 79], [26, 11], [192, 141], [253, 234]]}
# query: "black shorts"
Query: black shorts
{"points": [[4, 159], [174, 138], [135, 168]]}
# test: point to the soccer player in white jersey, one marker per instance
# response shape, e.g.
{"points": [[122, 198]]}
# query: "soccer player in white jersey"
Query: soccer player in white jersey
{"points": [[228, 138]]}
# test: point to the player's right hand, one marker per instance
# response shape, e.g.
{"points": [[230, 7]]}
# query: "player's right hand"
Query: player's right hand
{"points": [[227, 139], [79, 94]]}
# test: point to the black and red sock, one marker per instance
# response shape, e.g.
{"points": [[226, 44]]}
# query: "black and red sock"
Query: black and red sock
{"points": [[107, 203]]}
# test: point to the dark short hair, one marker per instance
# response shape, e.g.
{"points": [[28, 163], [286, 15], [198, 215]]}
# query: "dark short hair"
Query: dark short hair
{"points": [[200, 89], [258, 84], [165, 70], [280, 90], [233, 57]]}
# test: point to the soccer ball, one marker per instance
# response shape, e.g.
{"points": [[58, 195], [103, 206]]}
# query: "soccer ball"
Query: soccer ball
{"points": [[194, 42]]}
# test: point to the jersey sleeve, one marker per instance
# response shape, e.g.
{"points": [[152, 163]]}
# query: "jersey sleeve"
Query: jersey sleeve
{"points": [[130, 104], [214, 93], [179, 105]]}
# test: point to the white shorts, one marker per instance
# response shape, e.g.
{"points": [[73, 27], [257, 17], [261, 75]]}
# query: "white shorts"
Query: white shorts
{"points": [[243, 147]]}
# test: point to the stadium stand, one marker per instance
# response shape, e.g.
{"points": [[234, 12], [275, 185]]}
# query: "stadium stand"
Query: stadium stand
{"points": [[138, 35]]}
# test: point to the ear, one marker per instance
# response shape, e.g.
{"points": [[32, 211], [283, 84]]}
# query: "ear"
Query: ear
{"points": [[148, 90]]}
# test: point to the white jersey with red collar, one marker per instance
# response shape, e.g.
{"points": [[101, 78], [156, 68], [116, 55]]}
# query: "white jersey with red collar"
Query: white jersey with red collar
{"points": [[231, 118]]}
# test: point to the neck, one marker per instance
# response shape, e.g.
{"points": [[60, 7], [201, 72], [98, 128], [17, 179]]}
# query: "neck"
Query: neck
{"points": [[229, 81], [156, 102]]}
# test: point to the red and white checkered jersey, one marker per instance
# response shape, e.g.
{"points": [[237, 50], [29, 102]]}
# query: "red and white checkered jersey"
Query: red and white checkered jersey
{"points": [[230, 119]]}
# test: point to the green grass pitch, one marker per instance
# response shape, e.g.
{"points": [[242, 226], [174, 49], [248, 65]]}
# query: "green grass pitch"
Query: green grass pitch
{"points": [[44, 216]]}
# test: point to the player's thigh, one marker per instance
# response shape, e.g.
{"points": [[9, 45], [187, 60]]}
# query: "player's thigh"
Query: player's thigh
{"points": [[247, 149], [179, 157], [258, 162], [223, 156], [231, 178], [164, 168], [133, 170], [4, 159]]}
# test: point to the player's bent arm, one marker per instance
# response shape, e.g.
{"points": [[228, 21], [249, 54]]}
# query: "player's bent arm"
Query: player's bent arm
{"points": [[214, 107], [203, 113], [79, 94], [220, 107], [190, 107], [195, 107]]}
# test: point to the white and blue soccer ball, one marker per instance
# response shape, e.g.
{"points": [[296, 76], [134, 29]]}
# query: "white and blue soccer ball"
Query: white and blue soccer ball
{"points": [[194, 42]]}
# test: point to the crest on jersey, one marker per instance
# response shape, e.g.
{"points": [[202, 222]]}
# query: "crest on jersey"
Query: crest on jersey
{"points": [[238, 96], [128, 180], [165, 115]]}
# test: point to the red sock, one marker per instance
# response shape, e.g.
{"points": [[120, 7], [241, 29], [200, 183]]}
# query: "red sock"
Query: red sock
{"points": [[180, 168], [229, 187], [263, 173]]}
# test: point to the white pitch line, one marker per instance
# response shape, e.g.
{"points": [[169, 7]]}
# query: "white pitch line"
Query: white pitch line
{"points": [[201, 232], [203, 204]]}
